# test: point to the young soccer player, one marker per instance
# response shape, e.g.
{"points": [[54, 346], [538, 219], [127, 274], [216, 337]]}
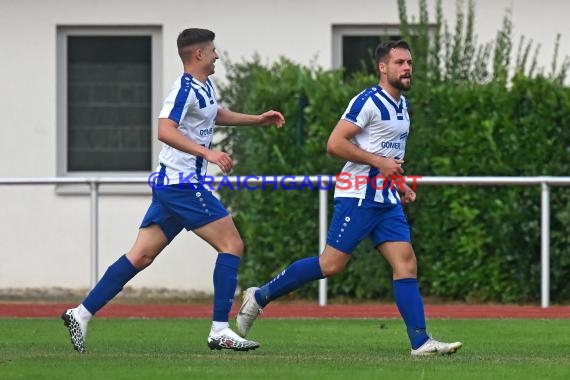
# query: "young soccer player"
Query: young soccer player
{"points": [[185, 126]]}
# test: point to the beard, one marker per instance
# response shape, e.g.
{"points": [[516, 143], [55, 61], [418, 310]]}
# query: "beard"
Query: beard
{"points": [[402, 84]]}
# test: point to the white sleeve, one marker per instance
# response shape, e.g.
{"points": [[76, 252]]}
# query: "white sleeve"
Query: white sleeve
{"points": [[358, 110]]}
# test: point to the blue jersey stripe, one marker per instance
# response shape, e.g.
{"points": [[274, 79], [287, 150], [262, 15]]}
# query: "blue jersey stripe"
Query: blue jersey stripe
{"points": [[384, 113], [211, 91], [385, 189], [394, 191], [180, 100], [370, 190], [160, 178], [399, 109], [356, 108], [396, 107], [201, 100], [199, 164]]}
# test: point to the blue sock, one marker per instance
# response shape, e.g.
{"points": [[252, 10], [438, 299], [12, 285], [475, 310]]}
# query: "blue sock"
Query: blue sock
{"points": [[112, 282], [296, 275], [411, 306], [225, 284]]}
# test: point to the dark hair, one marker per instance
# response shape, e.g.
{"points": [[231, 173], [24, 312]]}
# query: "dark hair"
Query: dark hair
{"points": [[193, 36], [383, 50]]}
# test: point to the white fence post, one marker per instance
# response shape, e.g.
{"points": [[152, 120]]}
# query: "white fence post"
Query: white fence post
{"points": [[323, 220], [94, 187], [545, 244]]}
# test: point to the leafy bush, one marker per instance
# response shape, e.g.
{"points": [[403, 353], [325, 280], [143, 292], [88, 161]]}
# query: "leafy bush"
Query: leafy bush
{"points": [[483, 119]]}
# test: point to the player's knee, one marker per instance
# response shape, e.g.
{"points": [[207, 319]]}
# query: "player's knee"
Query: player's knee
{"points": [[332, 261], [238, 246], [330, 268], [143, 262], [234, 245], [141, 259], [407, 267]]}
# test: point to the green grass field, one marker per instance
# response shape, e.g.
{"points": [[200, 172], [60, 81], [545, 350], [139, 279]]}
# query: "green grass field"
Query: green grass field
{"points": [[291, 349]]}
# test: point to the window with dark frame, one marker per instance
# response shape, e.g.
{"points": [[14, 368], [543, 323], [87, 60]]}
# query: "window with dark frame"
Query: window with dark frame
{"points": [[358, 52], [109, 103]]}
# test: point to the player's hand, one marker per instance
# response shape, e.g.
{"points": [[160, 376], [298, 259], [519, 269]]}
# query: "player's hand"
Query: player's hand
{"points": [[390, 167], [222, 159], [409, 196], [272, 117]]}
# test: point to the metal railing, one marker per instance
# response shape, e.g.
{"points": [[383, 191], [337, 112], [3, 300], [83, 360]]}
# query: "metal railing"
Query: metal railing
{"points": [[544, 182]]}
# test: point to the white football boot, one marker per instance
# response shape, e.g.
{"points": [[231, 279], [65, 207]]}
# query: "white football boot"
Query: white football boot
{"points": [[433, 347], [77, 329], [229, 340], [248, 312]]}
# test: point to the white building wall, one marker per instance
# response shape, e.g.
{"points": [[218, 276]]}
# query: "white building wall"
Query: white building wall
{"points": [[44, 238]]}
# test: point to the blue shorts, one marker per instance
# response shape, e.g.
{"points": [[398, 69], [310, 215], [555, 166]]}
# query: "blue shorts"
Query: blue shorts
{"points": [[174, 208], [355, 219]]}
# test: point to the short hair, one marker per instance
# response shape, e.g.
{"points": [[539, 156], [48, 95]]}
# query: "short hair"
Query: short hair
{"points": [[193, 36], [383, 50]]}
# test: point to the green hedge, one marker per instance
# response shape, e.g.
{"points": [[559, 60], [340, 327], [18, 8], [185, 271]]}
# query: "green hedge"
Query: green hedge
{"points": [[483, 243], [472, 243]]}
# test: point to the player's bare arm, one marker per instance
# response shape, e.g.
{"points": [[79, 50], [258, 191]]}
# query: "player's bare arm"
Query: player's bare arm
{"points": [[341, 146], [228, 117], [169, 134]]}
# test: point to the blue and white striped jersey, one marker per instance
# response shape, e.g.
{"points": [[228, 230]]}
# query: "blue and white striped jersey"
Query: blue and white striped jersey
{"points": [[385, 126], [193, 106]]}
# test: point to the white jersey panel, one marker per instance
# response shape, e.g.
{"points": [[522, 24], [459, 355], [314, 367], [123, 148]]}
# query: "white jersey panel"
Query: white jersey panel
{"points": [[384, 125], [193, 106]]}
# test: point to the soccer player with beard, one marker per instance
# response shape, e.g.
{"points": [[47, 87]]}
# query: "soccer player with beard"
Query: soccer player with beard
{"points": [[371, 136]]}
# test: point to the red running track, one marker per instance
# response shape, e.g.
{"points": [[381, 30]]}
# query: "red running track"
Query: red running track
{"points": [[37, 310]]}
